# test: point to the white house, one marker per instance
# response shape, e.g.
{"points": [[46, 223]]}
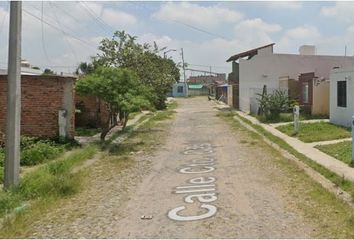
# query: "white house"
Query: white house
{"points": [[342, 96], [263, 67], [26, 69]]}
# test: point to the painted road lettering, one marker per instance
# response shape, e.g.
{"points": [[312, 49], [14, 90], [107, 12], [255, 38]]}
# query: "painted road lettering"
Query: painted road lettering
{"points": [[201, 189]]}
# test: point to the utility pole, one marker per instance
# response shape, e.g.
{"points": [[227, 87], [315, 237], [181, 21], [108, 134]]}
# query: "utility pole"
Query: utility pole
{"points": [[184, 73], [13, 113]]}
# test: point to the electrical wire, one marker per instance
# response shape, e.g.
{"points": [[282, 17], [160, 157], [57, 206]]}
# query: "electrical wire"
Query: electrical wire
{"points": [[58, 29], [65, 40], [43, 40]]}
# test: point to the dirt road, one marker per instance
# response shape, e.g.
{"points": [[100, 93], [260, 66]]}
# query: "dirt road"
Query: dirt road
{"points": [[206, 181]]}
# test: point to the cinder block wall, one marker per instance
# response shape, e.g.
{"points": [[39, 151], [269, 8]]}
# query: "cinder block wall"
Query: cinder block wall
{"points": [[42, 97]]}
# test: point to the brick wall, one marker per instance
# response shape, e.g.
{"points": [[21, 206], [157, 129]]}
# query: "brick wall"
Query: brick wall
{"points": [[93, 112], [42, 97]]}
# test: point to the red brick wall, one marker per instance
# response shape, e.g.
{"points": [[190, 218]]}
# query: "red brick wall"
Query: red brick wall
{"points": [[93, 113], [42, 97]]}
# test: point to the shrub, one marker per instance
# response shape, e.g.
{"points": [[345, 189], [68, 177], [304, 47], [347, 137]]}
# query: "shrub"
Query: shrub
{"points": [[39, 153], [273, 104], [2, 157], [1, 174]]}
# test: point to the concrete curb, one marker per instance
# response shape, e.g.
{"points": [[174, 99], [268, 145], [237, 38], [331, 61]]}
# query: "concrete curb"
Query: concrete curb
{"points": [[316, 176]]}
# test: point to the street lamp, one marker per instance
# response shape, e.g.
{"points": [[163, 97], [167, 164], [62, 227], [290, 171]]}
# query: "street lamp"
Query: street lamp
{"points": [[164, 53]]}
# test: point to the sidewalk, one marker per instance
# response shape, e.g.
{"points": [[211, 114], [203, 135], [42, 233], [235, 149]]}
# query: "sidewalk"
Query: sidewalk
{"points": [[308, 149]]}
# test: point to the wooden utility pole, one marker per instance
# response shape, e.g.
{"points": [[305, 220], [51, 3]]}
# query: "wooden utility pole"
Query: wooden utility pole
{"points": [[13, 113]]}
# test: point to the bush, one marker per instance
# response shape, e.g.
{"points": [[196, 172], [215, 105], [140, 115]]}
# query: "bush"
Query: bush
{"points": [[272, 104], [1, 174], [2, 157], [39, 152]]}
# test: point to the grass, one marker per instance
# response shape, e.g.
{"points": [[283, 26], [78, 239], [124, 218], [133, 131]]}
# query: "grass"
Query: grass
{"points": [[87, 132], [341, 151], [45, 186], [48, 181], [288, 117], [345, 184], [315, 132], [308, 196]]}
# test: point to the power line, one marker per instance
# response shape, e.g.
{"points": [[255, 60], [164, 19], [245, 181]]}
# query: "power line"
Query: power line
{"points": [[65, 40], [199, 29], [71, 16], [42, 30], [97, 19], [198, 65], [58, 29]]}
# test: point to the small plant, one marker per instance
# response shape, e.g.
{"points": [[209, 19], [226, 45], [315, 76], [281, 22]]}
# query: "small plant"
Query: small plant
{"points": [[272, 104], [39, 152]]}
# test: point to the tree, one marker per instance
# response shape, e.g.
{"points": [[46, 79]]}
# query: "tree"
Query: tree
{"points": [[84, 68], [120, 89], [155, 72], [48, 71]]}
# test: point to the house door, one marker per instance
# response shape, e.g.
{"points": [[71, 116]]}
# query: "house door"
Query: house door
{"points": [[306, 90]]}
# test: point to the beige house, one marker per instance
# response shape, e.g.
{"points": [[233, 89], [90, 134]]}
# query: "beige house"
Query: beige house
{"points": [[261, 66]]}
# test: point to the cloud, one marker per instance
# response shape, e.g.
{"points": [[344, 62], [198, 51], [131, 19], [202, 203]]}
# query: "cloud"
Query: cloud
{"points": [[342, 11], [118, 18], [301, 35], [280, 5], [192, 13], [255, 32]]}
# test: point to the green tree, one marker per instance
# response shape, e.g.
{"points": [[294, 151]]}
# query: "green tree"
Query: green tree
{"points": [[84, 68], [48, 71], [155, 72], [120, 89]]}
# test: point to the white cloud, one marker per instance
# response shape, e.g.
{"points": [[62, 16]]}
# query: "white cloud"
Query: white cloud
{"points": [[341, 10], [195, 14], [118, 18], [301, 35], [280, 5], [303, 32], [255, 32]]}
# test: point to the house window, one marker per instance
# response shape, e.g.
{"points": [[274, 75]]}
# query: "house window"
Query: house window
{"points": [[180, 89], [305, 92], [342, 94]]}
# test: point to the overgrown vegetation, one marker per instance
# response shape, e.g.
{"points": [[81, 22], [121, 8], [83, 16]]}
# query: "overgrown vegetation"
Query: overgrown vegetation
{"points": [[341, 151], [272, 104], [315, 132], [337, 218], [127, 77], [51, 180], [86, 132], [55, 180], [36, 151]]}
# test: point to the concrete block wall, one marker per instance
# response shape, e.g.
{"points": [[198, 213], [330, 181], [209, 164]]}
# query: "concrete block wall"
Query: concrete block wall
{"points": [[42, 98]]}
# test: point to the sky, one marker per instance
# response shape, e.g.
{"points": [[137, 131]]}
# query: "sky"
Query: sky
{"points": [[60, 35]]}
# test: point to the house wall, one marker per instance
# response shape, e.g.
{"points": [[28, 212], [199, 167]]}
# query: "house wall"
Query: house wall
{"points": [[265, 69], [93, 112], [342, 115], [320, 98], [229, 95], [41, 99], [175, 87]]}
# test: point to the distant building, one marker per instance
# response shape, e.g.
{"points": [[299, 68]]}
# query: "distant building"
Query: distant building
{"points": [[26, 69], [178, 90]]}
